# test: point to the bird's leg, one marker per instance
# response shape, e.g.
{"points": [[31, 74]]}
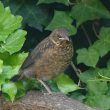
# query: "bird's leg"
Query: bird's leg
{"points": [[77, 71], [46, 87]]}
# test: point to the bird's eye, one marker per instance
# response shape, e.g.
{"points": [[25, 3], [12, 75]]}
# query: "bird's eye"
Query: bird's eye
{"points": [[59, 36]]}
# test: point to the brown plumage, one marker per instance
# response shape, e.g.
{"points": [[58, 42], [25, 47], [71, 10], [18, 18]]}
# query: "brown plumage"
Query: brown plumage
{"points": [[50, 57]]}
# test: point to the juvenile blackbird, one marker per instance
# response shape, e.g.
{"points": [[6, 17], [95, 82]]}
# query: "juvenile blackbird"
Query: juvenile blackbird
{"points": [[49, 58]]}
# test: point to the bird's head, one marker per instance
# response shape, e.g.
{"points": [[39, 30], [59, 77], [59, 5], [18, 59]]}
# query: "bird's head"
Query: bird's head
{"points": [[58, 36]]}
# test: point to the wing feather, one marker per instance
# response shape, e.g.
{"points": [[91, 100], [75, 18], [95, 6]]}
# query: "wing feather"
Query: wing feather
{"points": [[37, 53]]}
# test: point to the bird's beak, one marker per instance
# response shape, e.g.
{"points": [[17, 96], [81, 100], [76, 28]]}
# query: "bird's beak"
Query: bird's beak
{"points": [[65, 38]]}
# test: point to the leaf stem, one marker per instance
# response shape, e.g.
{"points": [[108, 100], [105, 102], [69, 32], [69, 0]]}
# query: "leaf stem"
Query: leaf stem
{"points": [[86, 34], [103, 76], [77, 71], [98, 80], [93, 27]]}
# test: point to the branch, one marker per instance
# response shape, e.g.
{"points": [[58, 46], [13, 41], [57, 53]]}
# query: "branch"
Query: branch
{"points": [[38, 101]]}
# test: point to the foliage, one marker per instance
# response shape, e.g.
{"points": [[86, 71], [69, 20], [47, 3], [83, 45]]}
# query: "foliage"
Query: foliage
{"points": [[11, 41], [89, 10], [66, 2], [35, 16], [89, 27], [65, 84], [58, 22]]}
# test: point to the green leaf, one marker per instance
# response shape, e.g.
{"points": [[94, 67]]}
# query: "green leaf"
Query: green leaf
{"points": [[90, 74], [30, 84], [11, 41], [53, 86], [66, 2], [1, 66], [10, 89], [97, 87], [103, 44], [15, 59], [89, 10], [20, 89], [9, 71], [100, 101], [108, 64], [8, 22], [97, 93], [2, 80], [65, 84], [104, 73], [1, 9], [77, 95], [108, 92], [33, 15], [61, 19], [13, 64], [89, 56], [96, 74], [14, 42]]}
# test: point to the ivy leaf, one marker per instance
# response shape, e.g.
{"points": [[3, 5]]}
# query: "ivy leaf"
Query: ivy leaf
{"points": [[104, 74], [100, 101], [96, 96], [15, 59], [53, 85], [89, 10], [103, 44], [95, 86], [2, 80], [20, 89], [10, 89], [1, 66], [61, 19], [11, 41], [8, 22], [30, 84], [65, 84], [97, 93], [77, 95], [89, 56], [1, 9], [9, 71], [14, 42], [88, 75], [66, 2], [108, 64], [12, 65], [33, 15]]}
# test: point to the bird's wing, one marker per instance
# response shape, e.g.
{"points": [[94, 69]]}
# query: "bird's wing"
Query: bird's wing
{"points": [[37, 53]]}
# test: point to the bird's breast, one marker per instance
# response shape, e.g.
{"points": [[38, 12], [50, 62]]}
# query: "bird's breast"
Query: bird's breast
{"points": [[55, 60]]}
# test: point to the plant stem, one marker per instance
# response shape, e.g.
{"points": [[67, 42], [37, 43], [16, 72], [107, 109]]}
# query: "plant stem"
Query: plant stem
{"points": [[93, 27], [86, 34]]}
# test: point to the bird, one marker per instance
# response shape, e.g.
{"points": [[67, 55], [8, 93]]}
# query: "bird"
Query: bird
{"points": [[49, 58]]}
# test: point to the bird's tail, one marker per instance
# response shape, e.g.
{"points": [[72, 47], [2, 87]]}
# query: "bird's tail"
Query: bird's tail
{"points": [[20, 76]]}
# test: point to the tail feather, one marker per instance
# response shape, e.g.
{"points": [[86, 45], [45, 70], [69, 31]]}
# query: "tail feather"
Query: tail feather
{"points": [[24, 74], [20, 76]]}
